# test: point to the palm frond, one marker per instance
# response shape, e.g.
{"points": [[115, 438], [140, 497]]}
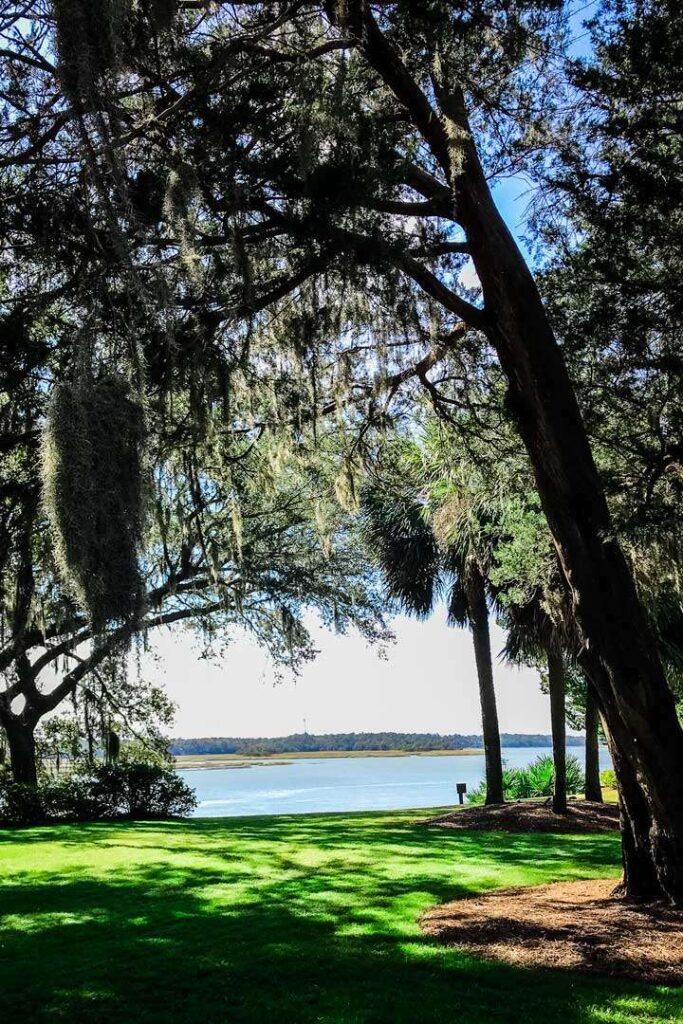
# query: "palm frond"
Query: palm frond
{"points": [[403, 545], [457, 604]]}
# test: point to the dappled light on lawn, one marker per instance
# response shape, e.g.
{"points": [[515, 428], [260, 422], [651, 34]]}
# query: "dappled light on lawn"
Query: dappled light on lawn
{"points": [[294, 919]]}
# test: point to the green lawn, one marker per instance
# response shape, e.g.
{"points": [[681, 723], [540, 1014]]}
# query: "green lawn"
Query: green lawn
{"points": [[299, 919]]}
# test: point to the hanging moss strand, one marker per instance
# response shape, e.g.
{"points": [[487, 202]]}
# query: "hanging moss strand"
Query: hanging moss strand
{"points": [[94, 486]]}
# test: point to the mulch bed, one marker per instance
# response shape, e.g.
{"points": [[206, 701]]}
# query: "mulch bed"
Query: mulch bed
{"points": [[532, 816], [578, 926]]}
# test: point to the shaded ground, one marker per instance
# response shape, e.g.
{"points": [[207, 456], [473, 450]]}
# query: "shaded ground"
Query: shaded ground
{"points": [[578, 926], [295, 920], [532, 816]]}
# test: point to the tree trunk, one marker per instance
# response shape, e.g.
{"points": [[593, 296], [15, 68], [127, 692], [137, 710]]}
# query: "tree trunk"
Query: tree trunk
{"points": [[481, 639], [632, 688], [592, 790], [556, 686], [640, 879], [88, 732], [22, 750]]}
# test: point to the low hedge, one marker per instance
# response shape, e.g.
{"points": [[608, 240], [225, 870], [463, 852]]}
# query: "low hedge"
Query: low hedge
{"points": [[97, 792]]}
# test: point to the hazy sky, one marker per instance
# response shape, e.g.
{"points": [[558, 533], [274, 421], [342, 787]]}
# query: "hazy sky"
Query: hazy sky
{"points": [[427, 683]]}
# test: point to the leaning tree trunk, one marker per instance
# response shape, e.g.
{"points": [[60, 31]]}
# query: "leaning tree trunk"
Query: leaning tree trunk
{"points": [[21, 741], [556, 686], [633, 689], [593, 790], [640, 879], [479, 621]]}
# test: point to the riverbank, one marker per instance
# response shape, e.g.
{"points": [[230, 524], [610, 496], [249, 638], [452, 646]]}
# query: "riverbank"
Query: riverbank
{"points": [[188, 762]]}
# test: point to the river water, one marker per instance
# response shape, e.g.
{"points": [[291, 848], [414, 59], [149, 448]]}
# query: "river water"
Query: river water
{"points": [[347, 783]]}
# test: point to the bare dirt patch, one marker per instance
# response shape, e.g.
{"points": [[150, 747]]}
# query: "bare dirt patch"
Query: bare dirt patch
{"points": [[532, 816], [578, 926]]}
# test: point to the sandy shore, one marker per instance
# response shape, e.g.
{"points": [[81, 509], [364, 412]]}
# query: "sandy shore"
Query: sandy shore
{"points": [[189, 761]]}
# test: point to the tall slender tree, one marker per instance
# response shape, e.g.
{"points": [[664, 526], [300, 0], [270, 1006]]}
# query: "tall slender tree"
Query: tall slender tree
{"points": [[419, 570]]}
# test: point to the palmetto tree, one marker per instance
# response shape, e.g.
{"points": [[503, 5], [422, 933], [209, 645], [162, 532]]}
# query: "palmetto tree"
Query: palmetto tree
{"points": [[427, 553]]}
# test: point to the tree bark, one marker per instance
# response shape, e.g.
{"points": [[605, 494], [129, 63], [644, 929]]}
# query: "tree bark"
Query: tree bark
{"points": [[22, 749], [640, 876], [640, 880], [592, 789], [479, 621], [556, 686]]}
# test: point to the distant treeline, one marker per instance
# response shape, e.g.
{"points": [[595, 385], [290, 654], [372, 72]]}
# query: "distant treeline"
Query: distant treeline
{"points": [[308, 742]]}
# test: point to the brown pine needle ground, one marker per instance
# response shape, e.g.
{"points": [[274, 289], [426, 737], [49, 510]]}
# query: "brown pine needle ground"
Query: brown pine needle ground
{"points": [[532, 816], [578, 926]]}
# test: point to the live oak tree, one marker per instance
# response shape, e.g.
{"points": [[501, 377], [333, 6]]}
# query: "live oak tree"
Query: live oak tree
{"points": [[244, 533]]}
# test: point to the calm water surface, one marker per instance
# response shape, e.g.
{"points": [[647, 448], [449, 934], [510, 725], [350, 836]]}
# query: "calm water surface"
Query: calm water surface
{"points": [[346, 783]]}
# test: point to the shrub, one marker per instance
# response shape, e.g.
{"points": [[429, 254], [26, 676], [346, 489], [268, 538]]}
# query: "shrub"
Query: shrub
{"points": [[541, 776], [69, 799], [576, 780], [608, 778], [537, 779], [141, 791], [20, 804], [98, 792]]}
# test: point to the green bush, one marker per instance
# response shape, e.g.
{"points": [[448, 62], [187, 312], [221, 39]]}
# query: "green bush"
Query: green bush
{"points": [[608, 778], [576, 780], [19, 804], [97, 792], [541, 776], [141, 791], [536, 780]]}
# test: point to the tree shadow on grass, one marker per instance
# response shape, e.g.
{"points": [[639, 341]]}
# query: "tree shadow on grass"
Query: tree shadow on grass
{"points": [[138, 949], [267, 919]]}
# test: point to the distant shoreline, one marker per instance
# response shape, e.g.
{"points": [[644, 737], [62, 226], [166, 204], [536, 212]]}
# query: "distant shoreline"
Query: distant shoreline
{"points": [[350, 744], [189, 762]]}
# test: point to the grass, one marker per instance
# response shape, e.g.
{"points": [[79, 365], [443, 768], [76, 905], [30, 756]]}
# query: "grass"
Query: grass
{"points": [[295, 920]]}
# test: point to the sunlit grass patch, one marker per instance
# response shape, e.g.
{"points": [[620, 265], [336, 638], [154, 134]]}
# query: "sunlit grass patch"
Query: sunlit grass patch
{"points": [[307, 920]]}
